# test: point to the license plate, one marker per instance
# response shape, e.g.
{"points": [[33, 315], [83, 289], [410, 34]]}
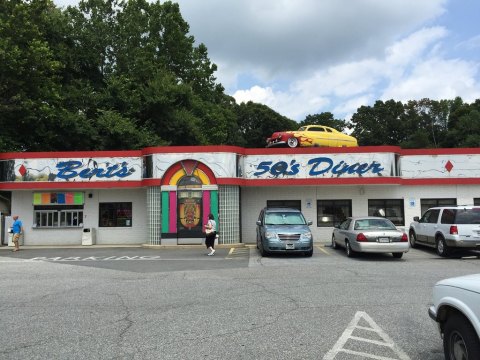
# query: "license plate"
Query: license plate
{"points": [[290, 246], [383, 240]]}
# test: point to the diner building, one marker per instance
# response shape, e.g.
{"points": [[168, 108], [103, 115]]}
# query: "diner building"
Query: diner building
{"points": [[163, 195]]}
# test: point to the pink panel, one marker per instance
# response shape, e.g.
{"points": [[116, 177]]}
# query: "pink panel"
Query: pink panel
{"points": [[206, 206], [172, 208]]}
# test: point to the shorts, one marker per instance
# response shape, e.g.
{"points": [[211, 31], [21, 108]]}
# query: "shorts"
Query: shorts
{"points": [[16, 237]]}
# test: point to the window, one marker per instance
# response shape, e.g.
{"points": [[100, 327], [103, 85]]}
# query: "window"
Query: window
{"points": [[332, 212], [295, 204], [117, 214], [391, 209], [58, 216], [430, 216], [426, 204], [476, 201], [58, 209]]}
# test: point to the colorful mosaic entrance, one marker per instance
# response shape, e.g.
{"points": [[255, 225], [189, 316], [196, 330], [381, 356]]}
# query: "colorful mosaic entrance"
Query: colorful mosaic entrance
{"points": [[189, 194]]}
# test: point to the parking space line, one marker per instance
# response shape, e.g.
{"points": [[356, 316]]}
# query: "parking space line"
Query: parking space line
{"points": [[322, 250], [385, 342]]}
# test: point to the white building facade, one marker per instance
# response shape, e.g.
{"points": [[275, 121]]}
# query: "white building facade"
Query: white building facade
{"points": [[163, 195]]}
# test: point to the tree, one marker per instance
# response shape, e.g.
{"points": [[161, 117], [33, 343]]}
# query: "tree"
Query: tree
{"points": [[379, 125], [256, 122], [326, 119]]}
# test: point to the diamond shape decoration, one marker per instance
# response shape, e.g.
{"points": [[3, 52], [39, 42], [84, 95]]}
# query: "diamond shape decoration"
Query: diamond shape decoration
{"points": [[22, 170], [449, 166]]}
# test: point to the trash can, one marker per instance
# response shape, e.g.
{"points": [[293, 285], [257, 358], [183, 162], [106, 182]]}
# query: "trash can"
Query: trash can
{"points": [[88, 236]]}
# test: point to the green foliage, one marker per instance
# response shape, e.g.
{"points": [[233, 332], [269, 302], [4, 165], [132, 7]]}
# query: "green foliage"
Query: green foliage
{"points": [[256, 122], [118, 74], [326, 119]]}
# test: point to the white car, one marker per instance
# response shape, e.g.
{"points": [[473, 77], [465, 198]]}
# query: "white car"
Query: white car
{"points": [[456, 309]]}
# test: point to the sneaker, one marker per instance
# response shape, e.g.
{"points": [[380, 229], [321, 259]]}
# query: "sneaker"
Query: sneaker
{"points": [[213, 252]]}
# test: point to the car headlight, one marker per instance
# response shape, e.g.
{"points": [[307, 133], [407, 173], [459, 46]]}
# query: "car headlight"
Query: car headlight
{"points": [[271, 235], [306, 236]]}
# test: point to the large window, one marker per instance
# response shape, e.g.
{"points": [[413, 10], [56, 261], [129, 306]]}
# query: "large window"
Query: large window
{"points": [[58, 209], [426, 204], [389, 208], [296, 204], [332, 212], [117, 214], [51, 217]]}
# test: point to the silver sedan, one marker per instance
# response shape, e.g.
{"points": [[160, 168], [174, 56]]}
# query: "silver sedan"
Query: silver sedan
{"points": [[370, 234]]}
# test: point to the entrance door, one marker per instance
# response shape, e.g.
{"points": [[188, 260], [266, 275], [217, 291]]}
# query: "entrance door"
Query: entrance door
{"points": [[189, 218]]}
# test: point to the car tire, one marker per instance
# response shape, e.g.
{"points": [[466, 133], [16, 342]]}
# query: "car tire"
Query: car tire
{"points": [[309, 253], [349, 250], [263, 252], [334, 244], [460, 341], [441, 246], [413, 239], [292, 142], [397, 255]]}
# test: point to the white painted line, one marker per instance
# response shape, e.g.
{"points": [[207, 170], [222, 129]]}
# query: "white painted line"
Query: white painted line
{"points": [[347, 334]]}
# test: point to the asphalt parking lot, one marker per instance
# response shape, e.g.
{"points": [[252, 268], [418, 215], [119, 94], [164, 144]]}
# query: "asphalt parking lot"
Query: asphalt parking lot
{"points": [[142, 303]]}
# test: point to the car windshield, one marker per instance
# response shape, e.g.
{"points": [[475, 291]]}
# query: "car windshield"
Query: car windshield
{"points": [[374, 224], [302, 128], [284, 218]]}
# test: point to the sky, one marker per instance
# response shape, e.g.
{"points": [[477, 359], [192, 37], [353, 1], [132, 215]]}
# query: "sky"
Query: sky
{"points": [[305, 57]]}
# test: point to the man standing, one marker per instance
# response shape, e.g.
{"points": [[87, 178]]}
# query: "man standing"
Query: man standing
{"points": [[17, 229]]}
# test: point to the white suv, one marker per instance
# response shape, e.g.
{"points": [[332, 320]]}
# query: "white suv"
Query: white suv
{"points": [[456, 309], [446, 228]]}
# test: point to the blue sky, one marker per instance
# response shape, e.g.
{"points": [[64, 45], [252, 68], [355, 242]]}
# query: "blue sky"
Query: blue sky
{"points": [[303, 57]]}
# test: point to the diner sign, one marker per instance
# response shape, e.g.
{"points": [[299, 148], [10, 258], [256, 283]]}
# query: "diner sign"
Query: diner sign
{"points": [[319, 166]]}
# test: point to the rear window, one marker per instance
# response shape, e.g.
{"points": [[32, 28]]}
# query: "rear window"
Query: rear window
{"points": [[461, 216], [374, 224]]}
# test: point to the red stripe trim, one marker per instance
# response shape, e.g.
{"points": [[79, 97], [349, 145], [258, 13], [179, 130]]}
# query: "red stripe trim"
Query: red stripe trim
{"points": [[193, 149], [70, 154], [27, 185], [324, 150], [151, 182], [438, 181], [450, 151]]}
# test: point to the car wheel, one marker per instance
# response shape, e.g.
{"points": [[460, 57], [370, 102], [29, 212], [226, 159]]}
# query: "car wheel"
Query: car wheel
{"points": [[460, 341], [334, 244], [348, 248], [263, 252], [442, 248], [309, 253], [413, 239], [292, 142], [397, 255]]}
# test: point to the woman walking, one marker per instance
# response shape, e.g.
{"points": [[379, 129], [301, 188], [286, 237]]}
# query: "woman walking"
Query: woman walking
{"points": [[210, 234]]}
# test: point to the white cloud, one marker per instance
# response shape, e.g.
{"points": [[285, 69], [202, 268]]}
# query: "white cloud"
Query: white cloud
{"points": [[304, 57]]}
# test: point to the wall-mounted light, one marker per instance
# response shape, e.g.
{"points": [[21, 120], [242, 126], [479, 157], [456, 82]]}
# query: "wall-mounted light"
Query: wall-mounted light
{"points": [[361, 190], [90, 195]]}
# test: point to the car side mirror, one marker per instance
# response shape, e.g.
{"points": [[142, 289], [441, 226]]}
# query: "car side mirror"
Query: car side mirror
{"points": [[416, 218], [259, 222], [309, 222]]}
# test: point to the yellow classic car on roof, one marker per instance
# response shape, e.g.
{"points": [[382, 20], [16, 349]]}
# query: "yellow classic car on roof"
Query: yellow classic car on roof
{"points": [[311, 135]]}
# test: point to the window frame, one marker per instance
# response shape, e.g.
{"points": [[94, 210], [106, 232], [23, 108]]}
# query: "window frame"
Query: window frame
{"points": [[388, 204], [336, 220], [428, 203], [114, 221]]}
